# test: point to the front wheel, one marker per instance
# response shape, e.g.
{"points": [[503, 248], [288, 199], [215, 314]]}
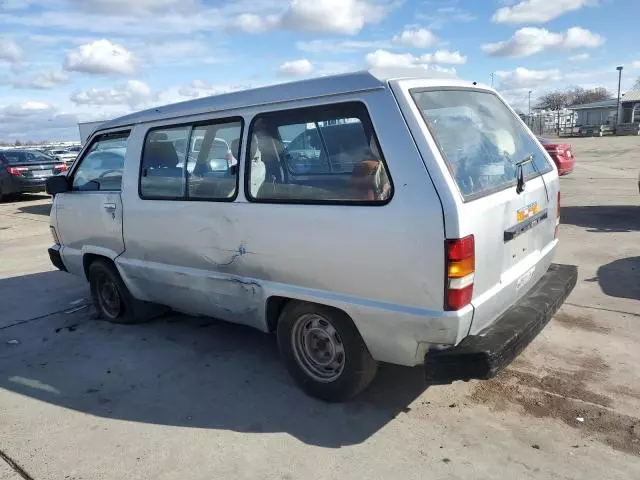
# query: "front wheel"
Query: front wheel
{"points": [[112, 298], [324, 352]]}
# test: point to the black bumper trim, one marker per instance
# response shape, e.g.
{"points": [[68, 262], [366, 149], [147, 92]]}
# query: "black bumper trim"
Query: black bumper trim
{"points": [[56, 258], [484, 355]]}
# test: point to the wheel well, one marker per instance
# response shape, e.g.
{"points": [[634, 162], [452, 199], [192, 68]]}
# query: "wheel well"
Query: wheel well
{"points": [[275, 305], [88, 259]]}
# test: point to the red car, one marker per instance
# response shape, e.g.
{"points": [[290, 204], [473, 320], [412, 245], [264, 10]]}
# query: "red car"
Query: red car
{"points": [[561, 153]]}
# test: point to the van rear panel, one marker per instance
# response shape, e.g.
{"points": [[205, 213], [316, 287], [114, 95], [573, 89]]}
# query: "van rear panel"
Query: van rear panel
{"points": [[498, 184]]}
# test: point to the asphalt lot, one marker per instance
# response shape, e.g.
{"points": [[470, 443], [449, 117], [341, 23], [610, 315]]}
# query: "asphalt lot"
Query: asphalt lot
{"points": [[193, 398]]}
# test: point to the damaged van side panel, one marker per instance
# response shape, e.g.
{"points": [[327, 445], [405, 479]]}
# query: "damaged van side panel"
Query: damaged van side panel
{"points": [[225, 259]]}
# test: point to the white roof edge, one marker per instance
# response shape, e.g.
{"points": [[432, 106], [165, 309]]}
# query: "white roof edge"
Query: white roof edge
{"points": [[278, 93], [264, 95]]}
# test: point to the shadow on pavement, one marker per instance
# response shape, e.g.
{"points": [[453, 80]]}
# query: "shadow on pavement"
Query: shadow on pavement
{"points": [[187, 371], [621, 278], [37, 209], [603, 218], [25, 197], [29, 296]]}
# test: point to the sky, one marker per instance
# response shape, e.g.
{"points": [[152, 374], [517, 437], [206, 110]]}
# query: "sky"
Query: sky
{"points": [[64, 61]]}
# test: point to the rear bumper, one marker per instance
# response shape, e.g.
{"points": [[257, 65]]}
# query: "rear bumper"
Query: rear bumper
{"points": [[483, 355], [56, 258], [32, 185]]}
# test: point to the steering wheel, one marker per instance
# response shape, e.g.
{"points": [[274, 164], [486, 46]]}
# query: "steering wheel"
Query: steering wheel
{"points": [[104, 174]]}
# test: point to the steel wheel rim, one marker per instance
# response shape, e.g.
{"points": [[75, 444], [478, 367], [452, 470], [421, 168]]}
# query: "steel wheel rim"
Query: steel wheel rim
{"points": [[318, 348], [108, 297]]}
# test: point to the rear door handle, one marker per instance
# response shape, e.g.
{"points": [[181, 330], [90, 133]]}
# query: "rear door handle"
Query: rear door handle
{"points": [[109, 206]]}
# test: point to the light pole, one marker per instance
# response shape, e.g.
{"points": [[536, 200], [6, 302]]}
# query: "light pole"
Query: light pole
{"points": [[530, 122], [618, 103]]}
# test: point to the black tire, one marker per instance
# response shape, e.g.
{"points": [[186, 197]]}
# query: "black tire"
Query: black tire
{"points": [[112, 299], [358, 366]]}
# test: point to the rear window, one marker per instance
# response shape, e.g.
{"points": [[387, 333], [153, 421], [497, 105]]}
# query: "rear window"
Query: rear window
{"points": [[480, 139], [21, 156]]}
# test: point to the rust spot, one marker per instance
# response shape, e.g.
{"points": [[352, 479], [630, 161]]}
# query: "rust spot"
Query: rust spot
{"points": [[584, 322]]}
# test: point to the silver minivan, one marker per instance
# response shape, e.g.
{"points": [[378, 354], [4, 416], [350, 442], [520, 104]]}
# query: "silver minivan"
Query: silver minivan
{"points": [[363, 218]]}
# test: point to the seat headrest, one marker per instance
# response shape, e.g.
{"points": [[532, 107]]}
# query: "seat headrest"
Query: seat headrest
{"points": [[160, 154]]}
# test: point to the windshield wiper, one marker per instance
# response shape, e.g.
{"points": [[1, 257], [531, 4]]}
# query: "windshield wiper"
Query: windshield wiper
{"points": [[520, 173]]}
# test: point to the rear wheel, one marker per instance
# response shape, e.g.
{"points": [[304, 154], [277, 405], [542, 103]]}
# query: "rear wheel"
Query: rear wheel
{"points": [[324, 351], [112, 298]]}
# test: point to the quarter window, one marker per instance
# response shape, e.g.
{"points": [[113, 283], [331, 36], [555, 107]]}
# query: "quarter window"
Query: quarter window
{"points": [[191, 162], [101, 167], [326, 154]]}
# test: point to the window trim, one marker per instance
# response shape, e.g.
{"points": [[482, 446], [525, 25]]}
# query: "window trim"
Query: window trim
{"points": [[357, 105], [490, 191], [97, 137], [193, 125]]}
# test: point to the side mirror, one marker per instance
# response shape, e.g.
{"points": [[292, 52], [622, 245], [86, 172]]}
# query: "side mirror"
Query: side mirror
{"points": [[57, 184]]}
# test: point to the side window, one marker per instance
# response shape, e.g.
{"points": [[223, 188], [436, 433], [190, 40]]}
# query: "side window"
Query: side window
{"points": [[163, 160], [213, 167], [101, 167], [327, 154], [191, 162]]}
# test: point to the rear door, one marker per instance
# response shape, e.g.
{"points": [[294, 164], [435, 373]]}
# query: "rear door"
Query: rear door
{"points": [[482, 150], [89, 216]]}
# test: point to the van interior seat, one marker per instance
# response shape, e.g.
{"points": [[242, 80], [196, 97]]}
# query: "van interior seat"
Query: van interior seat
{"points": [[161, 159]]}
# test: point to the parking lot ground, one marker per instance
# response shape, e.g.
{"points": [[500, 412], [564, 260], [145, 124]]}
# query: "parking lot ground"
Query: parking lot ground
{"points": [[194, 398]]}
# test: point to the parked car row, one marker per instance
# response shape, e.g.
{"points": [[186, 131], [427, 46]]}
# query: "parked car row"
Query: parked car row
{"points": [[26, 171]]}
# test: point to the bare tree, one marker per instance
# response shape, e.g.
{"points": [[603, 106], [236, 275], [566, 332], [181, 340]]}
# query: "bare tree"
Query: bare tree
{"points": [[636, 85], [578, 96], [554, 101]]}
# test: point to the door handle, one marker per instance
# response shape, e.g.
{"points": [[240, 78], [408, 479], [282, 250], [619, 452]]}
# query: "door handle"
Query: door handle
{"points": [[109, 206]]}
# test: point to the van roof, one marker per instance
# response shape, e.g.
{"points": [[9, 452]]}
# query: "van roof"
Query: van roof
{"points": [[283, 92]]}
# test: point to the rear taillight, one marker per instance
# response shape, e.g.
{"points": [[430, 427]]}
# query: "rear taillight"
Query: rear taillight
{"points": [[61, 167], [557, 217], [461, 263], [16, 171]]}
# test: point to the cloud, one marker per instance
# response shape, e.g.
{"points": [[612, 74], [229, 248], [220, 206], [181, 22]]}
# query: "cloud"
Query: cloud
{"points": [[295, 68], [444, 56], [581, 57], [35, 120], [197, 89], [521, 78], [339, 46], [10, 51], [416, 38], [346, 17], [132, 93], [252, 23], [635, 64], [100, 57], [530, 40], [385, 59], [444, 15], [44, 80], [538, 11], [139, 7]]}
